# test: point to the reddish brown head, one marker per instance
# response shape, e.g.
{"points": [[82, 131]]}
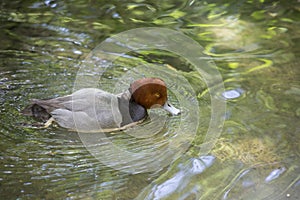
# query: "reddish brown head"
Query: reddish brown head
{"points": [[149, 92]]}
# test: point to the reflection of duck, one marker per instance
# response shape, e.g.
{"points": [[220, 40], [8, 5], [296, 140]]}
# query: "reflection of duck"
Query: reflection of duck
{"points": [[92, 109]]}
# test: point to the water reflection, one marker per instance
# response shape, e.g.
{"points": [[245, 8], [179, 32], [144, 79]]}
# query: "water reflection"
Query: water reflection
{"points": [[275, 174], [233, 94], [179, 185]]}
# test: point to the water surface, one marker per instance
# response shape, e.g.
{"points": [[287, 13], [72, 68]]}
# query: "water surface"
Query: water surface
{"points": [[254, 44]]}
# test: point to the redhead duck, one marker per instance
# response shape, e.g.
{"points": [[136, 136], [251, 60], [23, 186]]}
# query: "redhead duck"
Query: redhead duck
{"points": [[91, 109]]}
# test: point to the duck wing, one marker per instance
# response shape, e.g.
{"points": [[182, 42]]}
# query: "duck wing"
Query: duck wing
{"points": [[89, 109], [41, 108]]}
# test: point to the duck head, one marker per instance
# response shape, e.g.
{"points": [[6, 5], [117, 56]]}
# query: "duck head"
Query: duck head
{"points": [[152, 93]]}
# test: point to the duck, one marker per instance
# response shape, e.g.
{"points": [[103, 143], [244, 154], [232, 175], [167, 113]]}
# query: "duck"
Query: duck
{"points": [[95, 110]]}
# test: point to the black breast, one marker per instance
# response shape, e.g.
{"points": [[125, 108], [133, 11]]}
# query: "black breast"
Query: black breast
{"points": [[131, 111]]}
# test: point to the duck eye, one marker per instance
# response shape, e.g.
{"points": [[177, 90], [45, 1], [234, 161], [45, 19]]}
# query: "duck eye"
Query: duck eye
{"points": [[157, 95]]}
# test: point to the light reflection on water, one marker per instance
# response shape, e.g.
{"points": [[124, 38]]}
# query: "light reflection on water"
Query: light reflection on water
{"points": [[258, 152], [179, 182]]}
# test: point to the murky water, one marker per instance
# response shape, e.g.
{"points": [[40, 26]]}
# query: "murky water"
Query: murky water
{"points": [[254, 44]]}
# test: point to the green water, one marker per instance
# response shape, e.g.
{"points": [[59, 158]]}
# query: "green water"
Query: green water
{"points": [[255, 46]]}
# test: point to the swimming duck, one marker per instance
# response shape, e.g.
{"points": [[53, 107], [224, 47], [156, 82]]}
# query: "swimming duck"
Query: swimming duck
{"points": [[92, 109]]}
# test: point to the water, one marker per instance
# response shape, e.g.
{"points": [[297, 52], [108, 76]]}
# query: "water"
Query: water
{"points": [[254, 45]]}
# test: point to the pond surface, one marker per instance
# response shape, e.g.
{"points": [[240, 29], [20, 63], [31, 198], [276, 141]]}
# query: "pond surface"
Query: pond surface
{"points": [[255, 46]]}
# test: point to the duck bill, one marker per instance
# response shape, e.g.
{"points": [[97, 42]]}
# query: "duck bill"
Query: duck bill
{"points": [[171, 109]]}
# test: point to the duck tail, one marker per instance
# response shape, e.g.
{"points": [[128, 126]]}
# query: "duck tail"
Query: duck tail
{"points": [[36, 110]]}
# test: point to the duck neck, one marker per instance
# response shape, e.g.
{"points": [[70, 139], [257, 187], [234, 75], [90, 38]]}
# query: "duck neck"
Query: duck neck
{"points": [[130, 110]]}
